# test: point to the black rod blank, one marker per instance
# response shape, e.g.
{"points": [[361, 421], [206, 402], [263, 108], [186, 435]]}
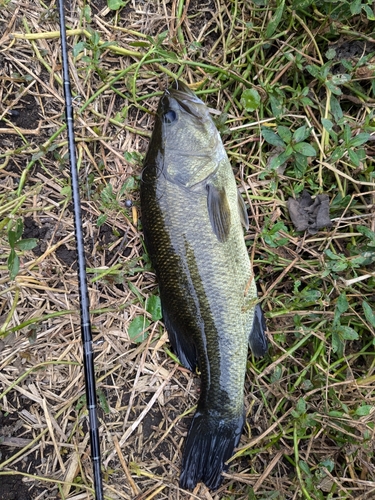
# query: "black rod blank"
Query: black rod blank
{"points": [[88, 360]]}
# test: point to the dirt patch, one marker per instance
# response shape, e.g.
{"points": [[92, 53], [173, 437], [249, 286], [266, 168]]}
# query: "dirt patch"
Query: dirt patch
{"points": [[13, 436]]}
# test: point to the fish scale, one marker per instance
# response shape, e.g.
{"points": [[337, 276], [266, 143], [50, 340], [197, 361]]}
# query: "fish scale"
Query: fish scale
{"points": [[191, 216]]}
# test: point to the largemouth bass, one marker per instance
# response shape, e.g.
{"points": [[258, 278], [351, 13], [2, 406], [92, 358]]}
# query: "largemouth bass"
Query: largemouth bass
{"points": [[192, 215]]}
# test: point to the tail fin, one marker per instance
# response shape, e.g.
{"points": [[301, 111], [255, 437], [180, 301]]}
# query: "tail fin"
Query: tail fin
{"points": [[210, 443]]}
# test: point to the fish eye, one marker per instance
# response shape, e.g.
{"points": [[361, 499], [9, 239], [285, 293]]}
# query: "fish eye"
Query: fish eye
{"points": [[169, 116]]}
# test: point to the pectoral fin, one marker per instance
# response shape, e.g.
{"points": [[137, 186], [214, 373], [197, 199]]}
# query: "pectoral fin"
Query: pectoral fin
{"points": [[257, 337], [218, 211], [242, 211]]}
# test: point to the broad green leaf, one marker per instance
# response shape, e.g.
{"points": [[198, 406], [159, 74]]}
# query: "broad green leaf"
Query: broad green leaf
{"points": [[107, 194], [364, 410], [119, 117], [101, 220], [134, 158], [355, 7], [95, 37], [342, 304], [359, 139], [19, 228], [304, 467], [275, 19], [272, 138], [301, 134], [275, 241], [369, 313], [304, 148], [289, 150], [87, 13], [276, 374], [358, 261], [337, 345], [330, 54], [333, 88], [168, 55], [296, 286], [328, 464], [302, 4], [279, 226], [361, 152], [78, 48], [12, 238], [81, 402], [153, 306], [306, 101], [250, 99], [129, 185], [347, 333], [284, 133], [161, 37], [347, 134], [369, 12], [301, 406], [336, 413], [27, 244], [336, 109], [307, 385], [314, 70], [337, 154], [332, 255], [13, 264], [366, 231], [277, 105], [327, 124], [66, 191], [103, 401], [354, 157], [300, 165], [308, 295], [340, 79], [279, 160], [137, 329], [340, 266]]}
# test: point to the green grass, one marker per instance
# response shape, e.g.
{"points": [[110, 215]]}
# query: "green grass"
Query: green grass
{"points": [[295, 82]]}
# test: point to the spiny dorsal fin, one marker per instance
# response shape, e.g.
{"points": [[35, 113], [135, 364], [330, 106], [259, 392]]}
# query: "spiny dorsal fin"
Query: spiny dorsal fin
{"points": [[218, 211], [242, 211]]}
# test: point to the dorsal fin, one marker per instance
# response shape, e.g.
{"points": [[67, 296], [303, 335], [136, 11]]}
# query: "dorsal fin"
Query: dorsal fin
{"points": [[242, 210], [257, 337]]}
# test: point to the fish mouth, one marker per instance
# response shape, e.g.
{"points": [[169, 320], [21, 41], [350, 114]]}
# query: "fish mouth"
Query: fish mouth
{"points": [[184, 97], [181, 87]]}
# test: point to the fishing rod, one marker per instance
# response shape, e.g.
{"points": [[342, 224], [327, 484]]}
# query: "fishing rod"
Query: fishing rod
{"points": [[88, 358]]}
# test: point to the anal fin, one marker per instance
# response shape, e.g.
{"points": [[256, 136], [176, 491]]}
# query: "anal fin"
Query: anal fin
{"points": [[182, 343]]}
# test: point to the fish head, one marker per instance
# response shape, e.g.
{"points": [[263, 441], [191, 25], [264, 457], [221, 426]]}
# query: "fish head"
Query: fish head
{"points": [[189, 140], [185, 120]]}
